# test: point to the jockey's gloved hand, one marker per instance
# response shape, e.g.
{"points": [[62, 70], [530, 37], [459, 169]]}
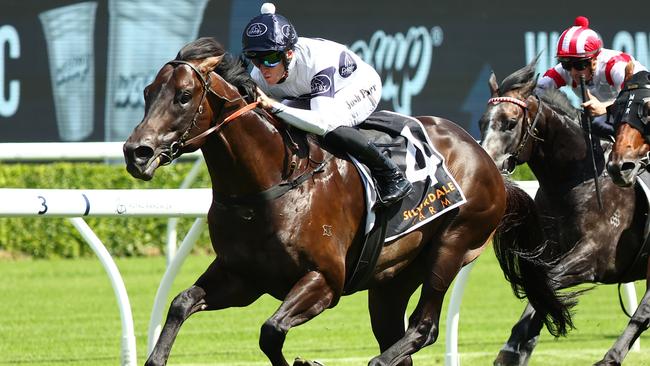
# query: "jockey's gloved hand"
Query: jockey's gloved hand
{"points": [[264, 100]]}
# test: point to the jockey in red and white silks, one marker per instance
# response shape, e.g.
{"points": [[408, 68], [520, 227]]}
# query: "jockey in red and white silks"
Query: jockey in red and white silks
{"points": [[580, 52], [608, 77]]}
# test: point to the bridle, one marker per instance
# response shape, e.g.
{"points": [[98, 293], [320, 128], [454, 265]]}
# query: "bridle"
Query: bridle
{"points": [[529, 128], [177, 146]]}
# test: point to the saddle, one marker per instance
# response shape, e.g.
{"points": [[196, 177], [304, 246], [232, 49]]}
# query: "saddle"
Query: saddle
{"points": [[435, 191]]}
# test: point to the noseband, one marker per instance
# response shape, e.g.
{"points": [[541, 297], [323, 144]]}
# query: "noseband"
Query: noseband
{"points": [[176, 146], [529, 128]]}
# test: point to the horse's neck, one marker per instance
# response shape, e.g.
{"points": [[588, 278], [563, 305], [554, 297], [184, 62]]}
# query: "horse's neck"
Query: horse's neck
{"points": [[561, 154], [246, 156]]}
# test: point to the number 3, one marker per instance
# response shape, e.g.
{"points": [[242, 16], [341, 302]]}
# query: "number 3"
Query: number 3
{"points": [[44, 204]]}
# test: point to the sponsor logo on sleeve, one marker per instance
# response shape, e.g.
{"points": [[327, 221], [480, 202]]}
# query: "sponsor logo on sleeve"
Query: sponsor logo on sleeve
{"points": [[322, 84], [256, 29], [347, 65]]}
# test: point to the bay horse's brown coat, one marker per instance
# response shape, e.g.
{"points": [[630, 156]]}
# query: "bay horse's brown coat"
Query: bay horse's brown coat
{"points": [[301, 246]]}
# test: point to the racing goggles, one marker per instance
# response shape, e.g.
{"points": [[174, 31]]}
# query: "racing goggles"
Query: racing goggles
{"points": [[577, 64], [271, 59]]}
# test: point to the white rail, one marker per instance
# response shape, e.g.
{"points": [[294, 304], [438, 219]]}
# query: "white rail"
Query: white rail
{"points": [[71, 151], [76, 204], [92, 151], [17, 202]]}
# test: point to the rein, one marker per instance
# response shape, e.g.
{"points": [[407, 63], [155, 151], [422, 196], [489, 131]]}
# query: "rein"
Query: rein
{"points": [[230, 118], [528, 127]]}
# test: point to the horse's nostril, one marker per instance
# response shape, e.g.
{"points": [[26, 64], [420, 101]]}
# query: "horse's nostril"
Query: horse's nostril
{"points": [[142, 153], [627, 166]]}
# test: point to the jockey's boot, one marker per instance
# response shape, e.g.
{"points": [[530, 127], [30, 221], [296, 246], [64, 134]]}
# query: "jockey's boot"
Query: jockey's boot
{"points": [[391, 182]]}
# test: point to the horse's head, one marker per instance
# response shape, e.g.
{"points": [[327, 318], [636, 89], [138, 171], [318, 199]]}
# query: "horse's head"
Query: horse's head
{"points": [[178, 111], [508, 122], [629, 155]]}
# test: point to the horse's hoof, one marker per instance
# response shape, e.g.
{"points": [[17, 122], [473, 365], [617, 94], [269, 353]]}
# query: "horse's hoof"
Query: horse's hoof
{"points": [[302, 362], [507, 358]]}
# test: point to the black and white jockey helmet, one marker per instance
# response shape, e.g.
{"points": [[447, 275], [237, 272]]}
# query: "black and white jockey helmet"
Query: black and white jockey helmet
{"points": [[268, 32]]}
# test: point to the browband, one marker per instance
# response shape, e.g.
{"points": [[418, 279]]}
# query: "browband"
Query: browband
{"points": [[516, 101]]}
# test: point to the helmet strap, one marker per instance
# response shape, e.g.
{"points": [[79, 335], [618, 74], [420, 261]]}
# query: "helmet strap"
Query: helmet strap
{"points": [[285, 61]]}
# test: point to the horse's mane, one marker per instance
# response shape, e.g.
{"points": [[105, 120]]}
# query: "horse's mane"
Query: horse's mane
{"points": [[560, 103], [231, 69]]}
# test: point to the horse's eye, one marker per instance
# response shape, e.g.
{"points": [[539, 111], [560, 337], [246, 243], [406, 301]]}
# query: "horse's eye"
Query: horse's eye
{"points": [[185, 97], [509, 124]]}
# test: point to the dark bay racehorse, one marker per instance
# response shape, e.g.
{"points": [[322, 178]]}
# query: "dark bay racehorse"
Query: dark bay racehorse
{"points": [[593, 245], [630, 153], [287, 218]]}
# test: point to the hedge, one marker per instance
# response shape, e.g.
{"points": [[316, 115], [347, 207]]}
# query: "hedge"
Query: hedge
{"points": [[56, 237]]}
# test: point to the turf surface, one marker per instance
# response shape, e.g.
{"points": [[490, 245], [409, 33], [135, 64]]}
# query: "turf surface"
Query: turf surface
{"points": [[63, 312]]}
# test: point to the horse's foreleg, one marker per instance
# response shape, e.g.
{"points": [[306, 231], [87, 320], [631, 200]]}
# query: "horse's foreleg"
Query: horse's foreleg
{"points": [[184, 305], [310, 296], [522, 341], [215, 289]]}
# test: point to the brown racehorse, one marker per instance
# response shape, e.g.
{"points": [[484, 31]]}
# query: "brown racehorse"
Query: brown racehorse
{"points": [[593, 245], [287, 218], [629, 156]]}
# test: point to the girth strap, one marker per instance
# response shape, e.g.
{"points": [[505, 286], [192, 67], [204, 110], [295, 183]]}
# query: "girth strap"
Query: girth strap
{"points": [[370, 250]]}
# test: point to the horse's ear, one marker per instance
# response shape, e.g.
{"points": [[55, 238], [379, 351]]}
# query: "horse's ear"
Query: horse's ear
{"points": [[209, 64], [533, 62], [494, 87], [527, 89]]}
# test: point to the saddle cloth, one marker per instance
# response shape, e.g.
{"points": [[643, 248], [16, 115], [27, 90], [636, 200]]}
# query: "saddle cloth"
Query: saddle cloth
{"points": [[435, 191]]}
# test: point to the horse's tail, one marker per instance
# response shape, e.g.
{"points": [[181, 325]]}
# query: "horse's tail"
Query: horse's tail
{"points": [[520, 248]]}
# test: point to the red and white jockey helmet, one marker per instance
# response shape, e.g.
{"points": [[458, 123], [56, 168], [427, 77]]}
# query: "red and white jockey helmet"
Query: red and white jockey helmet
{"points": [[579, 41]]}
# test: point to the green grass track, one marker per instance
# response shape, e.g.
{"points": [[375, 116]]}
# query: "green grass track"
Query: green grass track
{"points": [[63, 312]]}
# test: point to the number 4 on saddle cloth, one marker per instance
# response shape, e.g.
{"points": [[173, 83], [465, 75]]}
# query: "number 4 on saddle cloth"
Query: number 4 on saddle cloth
{"points": [[435, 191]]}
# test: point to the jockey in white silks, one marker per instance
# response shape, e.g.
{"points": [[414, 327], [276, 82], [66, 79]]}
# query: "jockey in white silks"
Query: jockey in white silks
{"points": [[321, 87]]}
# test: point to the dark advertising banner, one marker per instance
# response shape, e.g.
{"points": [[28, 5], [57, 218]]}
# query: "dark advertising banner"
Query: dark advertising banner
{"points": [[75, 70]]}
